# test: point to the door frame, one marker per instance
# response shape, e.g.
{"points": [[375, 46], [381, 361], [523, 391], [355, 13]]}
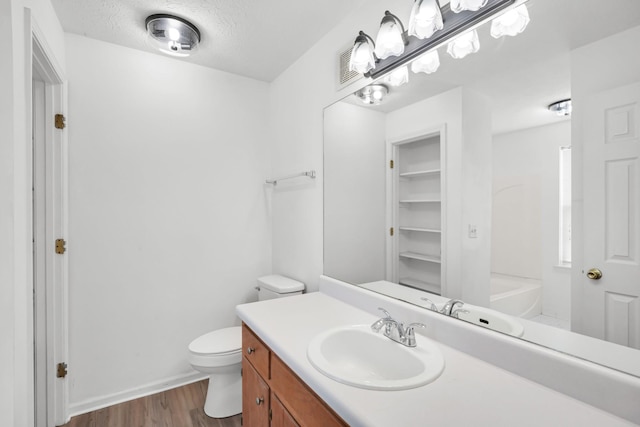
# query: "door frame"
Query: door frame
{"points": [[42, 59]]}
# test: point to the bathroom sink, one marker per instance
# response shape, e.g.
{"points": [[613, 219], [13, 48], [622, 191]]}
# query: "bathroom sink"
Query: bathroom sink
{"points": [[356, 356], [492, 319]]}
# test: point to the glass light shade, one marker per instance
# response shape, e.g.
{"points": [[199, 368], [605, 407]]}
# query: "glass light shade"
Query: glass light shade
{"points": [[372, 94], [390, 41], [172, 35], [427, 63], [458, 6], [398, 77], [510, 23], [426, 19], [362, 57], [464, 44]]}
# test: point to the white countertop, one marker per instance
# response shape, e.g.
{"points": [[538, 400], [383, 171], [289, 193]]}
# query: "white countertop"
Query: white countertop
{"points": [[469, 391]]}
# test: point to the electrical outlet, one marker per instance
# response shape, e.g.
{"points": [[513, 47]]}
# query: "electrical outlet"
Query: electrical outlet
{"points": [[473, 231]]}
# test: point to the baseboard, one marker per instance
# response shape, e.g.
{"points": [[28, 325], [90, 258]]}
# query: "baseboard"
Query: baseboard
{"points": [[134, 393]]}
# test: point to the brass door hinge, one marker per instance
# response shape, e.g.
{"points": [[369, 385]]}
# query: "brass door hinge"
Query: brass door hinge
{"points": [[60, 121], [61, 372], [391, 231], [60, 246], [390, 164]]}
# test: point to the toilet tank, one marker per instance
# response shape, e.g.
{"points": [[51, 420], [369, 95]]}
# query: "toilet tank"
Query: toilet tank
{"points": [[276, 286]]}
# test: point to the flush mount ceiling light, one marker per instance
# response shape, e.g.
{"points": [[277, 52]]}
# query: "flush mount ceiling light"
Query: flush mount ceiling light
{"points": [[425, 19], [172, 35], [372, 94], [511, 23], [395, 48], [561, 108], [391, 38]]}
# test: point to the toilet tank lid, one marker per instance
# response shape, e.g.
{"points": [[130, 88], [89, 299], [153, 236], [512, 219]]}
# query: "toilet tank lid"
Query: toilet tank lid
{"points": [[280, 284], [222, 341]]}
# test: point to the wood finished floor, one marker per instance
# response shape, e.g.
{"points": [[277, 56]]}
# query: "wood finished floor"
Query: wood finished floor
{"points": [[179, 407]]}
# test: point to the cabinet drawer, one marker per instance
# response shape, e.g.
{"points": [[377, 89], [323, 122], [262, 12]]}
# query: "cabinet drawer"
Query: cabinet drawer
{"points": [[303, 404], [255, 351]]}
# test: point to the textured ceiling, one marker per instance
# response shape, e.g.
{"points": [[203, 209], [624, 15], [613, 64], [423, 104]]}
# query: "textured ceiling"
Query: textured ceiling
{"points": [[257, 39]]}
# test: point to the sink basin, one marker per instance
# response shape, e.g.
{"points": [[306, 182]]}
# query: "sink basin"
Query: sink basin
{"points": [[492, 319], [356, 356]]}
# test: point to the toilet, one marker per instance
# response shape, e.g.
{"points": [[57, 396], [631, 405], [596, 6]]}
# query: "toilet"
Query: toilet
{"points": [[219, 353]]}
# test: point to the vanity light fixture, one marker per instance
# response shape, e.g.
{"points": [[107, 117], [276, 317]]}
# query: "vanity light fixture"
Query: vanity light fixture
{"points": [[372, 94], [398, 77], [363, 58], [461, 5], [412, 46], [561, 108], [425, 19], [510, 23], [427, 63], [391, 38], [464, 44], [172, 35]]}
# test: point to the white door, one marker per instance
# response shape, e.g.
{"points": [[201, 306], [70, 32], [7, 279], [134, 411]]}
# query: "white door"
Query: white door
{"points": [[610, 308]]}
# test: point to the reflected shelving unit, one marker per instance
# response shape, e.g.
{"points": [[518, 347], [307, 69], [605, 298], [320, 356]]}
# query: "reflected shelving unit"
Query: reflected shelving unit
{"points": [[417, 212]]}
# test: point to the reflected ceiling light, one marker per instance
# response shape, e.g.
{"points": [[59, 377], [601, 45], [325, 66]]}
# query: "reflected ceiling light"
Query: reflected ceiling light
{"points": [[561, 108], [464, 44], [398, 77], [425, 19], [510, 23], [363, 58], [427, 63], [458, 6], [372, 94], [391, 38], [172, 35]]}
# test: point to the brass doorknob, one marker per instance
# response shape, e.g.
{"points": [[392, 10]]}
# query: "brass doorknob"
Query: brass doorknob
{"points": [[594, 274]]}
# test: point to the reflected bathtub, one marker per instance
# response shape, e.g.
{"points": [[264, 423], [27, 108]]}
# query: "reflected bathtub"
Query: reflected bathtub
{"points": [[517, 296]]}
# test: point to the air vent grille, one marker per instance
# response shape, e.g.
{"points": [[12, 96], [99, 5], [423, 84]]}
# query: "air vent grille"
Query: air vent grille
{"points": [[346, 76]]}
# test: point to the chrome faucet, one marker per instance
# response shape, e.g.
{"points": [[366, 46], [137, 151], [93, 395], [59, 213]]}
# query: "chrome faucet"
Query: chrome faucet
{"points": [[395, 330], [449, 307]]}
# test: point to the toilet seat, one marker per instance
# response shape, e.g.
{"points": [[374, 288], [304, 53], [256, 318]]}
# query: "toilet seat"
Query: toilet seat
{"points": [[221, 342]]}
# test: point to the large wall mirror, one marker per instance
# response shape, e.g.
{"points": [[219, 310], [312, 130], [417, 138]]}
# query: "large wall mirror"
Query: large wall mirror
{"points": [[462, 184]]}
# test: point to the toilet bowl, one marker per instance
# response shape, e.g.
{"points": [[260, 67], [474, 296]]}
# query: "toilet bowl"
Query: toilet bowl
{"points": [[219, 353]]}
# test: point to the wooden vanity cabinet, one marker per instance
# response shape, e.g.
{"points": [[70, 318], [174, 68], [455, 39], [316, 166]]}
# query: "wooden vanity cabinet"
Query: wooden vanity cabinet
{"points": [[273, 395]]}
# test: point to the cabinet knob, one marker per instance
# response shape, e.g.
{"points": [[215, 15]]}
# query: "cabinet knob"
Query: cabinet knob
{"points": [[250, 350], [259, 400]]}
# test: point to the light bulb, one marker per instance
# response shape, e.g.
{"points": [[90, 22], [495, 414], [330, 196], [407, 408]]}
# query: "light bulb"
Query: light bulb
{"points": [[173, 34]]}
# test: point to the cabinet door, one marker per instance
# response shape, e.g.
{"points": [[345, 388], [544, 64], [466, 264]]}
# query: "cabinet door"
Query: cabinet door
{"points": [[280, 417], [255, 397]]}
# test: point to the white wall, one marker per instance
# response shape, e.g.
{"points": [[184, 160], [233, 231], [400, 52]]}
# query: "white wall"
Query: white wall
{"points": [[354, 197], [169, 213], [526, 243], [16, 299]]}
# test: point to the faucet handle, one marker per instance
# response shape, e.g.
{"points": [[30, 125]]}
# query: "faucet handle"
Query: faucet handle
{"points": [[410, 336], [457, 311], [386, 313], [378, 324]]}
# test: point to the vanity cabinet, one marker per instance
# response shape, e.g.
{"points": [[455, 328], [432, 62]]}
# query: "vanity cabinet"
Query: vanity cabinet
{"points": [[273, 395], [417, 204]]}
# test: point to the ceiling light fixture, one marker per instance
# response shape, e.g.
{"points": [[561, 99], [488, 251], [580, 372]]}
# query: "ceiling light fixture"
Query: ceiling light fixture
{"points": [[561, 108], [427, 63], [412, 47], [391, 38], [510, 23], [398, 77], [372, 94], [172, 35]]}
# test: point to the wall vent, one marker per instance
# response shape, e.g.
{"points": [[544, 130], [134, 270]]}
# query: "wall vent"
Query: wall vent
{"points": [[345, 76]]}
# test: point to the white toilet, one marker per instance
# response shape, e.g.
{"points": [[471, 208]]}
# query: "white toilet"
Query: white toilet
{"points": [[219, 353]]}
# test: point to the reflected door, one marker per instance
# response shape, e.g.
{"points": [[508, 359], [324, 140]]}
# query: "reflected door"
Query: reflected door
{"points": [[610, 308]]}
